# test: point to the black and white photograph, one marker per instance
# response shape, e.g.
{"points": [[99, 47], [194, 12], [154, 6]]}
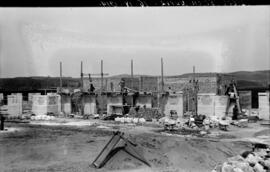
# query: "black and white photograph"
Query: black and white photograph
{"points": [[135, 89]]}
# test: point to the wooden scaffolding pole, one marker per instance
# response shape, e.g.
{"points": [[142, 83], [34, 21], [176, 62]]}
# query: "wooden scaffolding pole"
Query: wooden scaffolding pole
{"points": [[101, 88], [61, 84], [81, 75]]}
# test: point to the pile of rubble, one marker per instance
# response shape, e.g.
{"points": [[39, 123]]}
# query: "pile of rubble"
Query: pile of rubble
{"points": [[249, 161], [196, 122], [147, 113], [42, 117], [130, 120]]}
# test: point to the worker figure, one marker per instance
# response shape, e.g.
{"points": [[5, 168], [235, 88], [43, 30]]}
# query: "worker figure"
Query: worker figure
{"points": [[2, 118], [235, 113], [230, 93], [122, 85], [92, 88]]}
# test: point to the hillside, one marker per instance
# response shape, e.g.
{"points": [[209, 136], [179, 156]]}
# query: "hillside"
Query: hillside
{"points": [[253, 79], [245, 79]]}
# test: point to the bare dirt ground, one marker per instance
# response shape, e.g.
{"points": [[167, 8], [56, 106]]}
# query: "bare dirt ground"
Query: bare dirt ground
{"points": [[72, 145]]}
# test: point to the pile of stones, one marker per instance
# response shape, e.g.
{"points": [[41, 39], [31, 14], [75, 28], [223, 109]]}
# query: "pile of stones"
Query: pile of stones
{"points": [[249, 161]]}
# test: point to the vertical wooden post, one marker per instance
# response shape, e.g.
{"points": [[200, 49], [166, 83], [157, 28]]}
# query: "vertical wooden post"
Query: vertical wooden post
{"points": [[101, 88], [194, 91], [81, 75], [132, 74], [132, 103], [188, 99], [162, 85], [61, 84], [162, 79]]}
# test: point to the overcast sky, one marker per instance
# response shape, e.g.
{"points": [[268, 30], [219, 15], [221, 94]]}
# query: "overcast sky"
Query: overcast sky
{"points": [[214, 39]]}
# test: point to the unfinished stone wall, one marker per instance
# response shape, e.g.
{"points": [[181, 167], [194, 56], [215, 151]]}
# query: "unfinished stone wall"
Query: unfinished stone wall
{"points": [[188, 100], [66, 103], [109, 84], [264, 106], [101, 103], [174, 102], [206, 104], [129, 100], [175, 83], [58, 99], [15, 104], [220, 103], [144, 100], [30, 96], [148, 83], [212, 105], [132, 83], [159, 101], [207, 84], [39, 106], [44, 104], [89, 104], [114, 103], [245, 99]]}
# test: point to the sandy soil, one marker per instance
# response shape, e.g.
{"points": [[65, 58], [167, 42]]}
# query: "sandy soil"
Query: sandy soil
{"points": [[58, 147]]}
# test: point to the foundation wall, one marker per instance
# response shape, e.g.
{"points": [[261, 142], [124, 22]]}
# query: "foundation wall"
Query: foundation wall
{"points": [[174, 102], [264, 106], [114, 100], [206, 104], [220, 103], [66, 104], [43, 104], [15, 104], [142, 100], [89, 104], [30, 96]]}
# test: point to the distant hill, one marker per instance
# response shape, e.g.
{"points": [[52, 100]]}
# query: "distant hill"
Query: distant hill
{"points": [[252, 76], [245, 79], [252, 79]]}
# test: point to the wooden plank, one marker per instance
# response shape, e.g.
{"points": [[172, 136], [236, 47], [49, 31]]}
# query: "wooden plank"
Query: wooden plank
{"points": [[106, 150]]}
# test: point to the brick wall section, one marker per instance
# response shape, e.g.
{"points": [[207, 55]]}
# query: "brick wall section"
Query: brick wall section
{"points": [[148, 83], [106, 84], [132, 83], [208, 83]]}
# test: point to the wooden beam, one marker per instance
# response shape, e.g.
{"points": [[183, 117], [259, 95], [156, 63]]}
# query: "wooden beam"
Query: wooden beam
{"points": [[81, 75], [61, 84]]}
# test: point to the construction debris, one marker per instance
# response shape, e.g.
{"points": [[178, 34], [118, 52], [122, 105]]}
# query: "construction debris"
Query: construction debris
{"points": [[148, 113], [257, 160]]}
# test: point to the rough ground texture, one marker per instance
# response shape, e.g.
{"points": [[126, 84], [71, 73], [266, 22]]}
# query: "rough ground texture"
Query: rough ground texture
{"points": [[72, 148]]}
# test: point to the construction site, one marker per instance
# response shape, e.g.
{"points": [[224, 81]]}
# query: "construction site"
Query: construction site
{"points": [[135, 89], [200, 122]]}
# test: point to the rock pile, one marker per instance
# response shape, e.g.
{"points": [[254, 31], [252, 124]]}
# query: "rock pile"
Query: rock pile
{"points": [[146, 113], [130, 120], [42, 118], [257, 161]]}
